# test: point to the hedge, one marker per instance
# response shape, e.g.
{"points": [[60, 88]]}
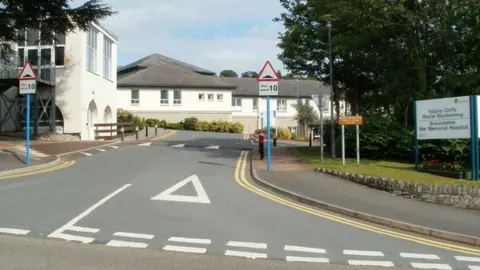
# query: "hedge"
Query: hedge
{"points": [[192, 123]]}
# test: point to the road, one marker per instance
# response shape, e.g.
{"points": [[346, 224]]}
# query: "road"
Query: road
{"points": [[135, 196]]}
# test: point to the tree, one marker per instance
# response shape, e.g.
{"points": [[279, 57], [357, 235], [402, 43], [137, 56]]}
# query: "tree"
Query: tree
{"points": [[48, 16], [279, 73], [305, 114], [250, 74], [228, 73]]}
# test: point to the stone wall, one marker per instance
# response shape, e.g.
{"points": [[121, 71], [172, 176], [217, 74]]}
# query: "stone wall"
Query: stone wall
{"points": [[460, 196]]}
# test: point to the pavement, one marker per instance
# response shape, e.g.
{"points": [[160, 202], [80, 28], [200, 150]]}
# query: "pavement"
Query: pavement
{"points": [[183, 194]]}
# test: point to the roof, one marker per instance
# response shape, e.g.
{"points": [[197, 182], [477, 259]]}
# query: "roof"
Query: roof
{"points": [[163, 72]]}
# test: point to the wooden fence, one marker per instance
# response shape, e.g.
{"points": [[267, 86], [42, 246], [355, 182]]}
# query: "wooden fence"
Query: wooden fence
{"points": [[110, 131]]}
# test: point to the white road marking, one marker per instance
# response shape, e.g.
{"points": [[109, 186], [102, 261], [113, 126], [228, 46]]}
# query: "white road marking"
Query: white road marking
{"points": [[251, 255], [184, 249], [59, 232], [100, 149], [116, 243], [178, 145], [134, 235], [247, 244], [86, 154], [145, 144], [474, 267], [467, 259], [201, 197], [14, 231], [439, 266], [252, 142], [371, 263], [307, 259], [304, 249], [419, 256], [113, 146], [213, 147], [83, 229], [363, 253], [190, 240]]}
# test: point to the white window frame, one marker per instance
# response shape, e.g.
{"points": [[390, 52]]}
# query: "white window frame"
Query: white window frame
{"points": [[164, 101], [210, 97], [134, 101], [235, 102], [281, 105], [201, 96], [92, 46], [177, 101], [255, 104], [107, 58], [219, 97]]}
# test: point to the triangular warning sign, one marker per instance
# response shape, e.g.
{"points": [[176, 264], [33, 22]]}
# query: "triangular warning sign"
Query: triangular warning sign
{"points": [[200, 198], [27, 72], [268, 73]]}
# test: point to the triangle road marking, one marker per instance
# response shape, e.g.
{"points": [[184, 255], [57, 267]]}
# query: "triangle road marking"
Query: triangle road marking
{"points": [[145, 144], [201, 197]]}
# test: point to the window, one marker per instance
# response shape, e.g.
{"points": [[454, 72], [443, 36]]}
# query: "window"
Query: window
{"points": [[59, 50], [33, 37], [45, 57], [210, 97], [107, 58], [92, 50], [255, 104], [177, 97], [282, 105], [237, 104], [30, 49], [164, 97], [201, 97], [219, 97], [135, 97], [21, 57], [33, 56]]}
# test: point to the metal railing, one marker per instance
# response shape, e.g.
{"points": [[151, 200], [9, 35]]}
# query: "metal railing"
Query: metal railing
{"points": [[10, 69]]}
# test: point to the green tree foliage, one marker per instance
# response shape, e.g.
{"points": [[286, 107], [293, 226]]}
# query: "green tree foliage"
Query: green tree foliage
{"points": [[250, 74], [305, 114], [48, 16], [228, 73]]}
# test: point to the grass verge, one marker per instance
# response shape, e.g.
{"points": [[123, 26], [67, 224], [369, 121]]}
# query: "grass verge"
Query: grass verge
{"points": [[378, 168]]}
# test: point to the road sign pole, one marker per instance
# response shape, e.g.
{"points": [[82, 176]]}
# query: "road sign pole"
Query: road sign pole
{"points": [[268, 135], [27, 144], [343, 145]]}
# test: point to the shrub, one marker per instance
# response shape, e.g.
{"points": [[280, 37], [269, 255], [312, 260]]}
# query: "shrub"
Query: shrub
{"points": [[190, 123], [284, 133], [151, 122], [193, 123], [128, 117]]}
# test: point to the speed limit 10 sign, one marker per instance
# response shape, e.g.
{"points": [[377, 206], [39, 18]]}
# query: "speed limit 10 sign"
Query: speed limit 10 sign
{"points": [[27, 79], [28, 87]]}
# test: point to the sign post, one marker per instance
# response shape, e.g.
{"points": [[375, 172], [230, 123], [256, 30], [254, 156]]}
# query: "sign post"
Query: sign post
{"points": [[351, 120], [27, 86], [268, 86]]}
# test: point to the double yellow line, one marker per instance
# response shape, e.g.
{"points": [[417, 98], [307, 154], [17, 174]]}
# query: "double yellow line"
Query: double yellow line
{"points": [[241, 179], [50, 169], [246, 136]]}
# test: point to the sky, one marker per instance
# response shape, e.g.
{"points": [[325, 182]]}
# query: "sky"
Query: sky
{"points": [[212, 34]]}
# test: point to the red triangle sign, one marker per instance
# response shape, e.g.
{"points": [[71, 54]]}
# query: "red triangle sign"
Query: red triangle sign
{"points": [[268, 74], [27, 72]]}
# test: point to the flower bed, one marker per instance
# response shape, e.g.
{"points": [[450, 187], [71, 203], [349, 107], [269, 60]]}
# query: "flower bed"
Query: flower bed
{"points": [[452, 169]]}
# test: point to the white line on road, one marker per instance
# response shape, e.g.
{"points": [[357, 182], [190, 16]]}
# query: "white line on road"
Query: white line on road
{"points": [[304, 249], [246, 244], [145, 144], [59, 232], [363, 253], [467, 259], [419, 256], [113, 146], [474, 267], [190, 240], [307, 259], [134, 235], [439, 266], [251, 255], [178, 145], [86, 154], [184, 249], [100, 149], [14, 231], [83, 229], [371, 263], [116, 243], [213, 147]]}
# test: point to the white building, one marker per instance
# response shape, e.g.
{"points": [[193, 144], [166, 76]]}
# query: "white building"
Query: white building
{"points": [[77, 74], [167, 89]]}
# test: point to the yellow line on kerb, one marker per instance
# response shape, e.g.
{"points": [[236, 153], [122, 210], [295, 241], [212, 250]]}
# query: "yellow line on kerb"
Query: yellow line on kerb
{"points": [[169, 133], [242, 181], [51, 169]]}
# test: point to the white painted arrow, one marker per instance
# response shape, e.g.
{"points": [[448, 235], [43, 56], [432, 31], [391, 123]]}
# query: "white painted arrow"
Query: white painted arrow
{"points": [[145, 144], [201, 197]]}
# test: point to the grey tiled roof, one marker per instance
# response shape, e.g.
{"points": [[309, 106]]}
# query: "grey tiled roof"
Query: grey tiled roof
{"points": [[160, 71]]}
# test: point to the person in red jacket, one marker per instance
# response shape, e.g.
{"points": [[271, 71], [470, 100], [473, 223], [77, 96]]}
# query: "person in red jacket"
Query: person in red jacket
{"points": [[261, 141]]}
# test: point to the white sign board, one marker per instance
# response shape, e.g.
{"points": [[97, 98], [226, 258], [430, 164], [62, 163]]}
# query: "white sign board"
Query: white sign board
{"points": [[444, 118], [268, 88], [27, 87]]}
